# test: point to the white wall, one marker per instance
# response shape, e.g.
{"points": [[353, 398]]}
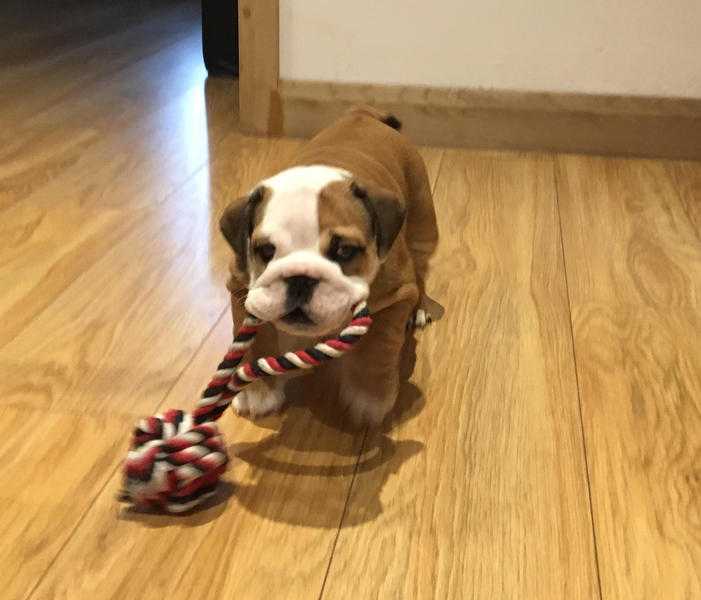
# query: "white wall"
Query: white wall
{"points": [[638, 47]]}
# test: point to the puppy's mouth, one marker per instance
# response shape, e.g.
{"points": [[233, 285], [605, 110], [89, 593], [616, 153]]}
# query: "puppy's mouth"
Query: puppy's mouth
{"points": [[297, 317]]}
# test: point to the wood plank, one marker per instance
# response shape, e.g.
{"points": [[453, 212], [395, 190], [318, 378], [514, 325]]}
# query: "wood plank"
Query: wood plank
{"points": [[152, 295], [271, 534], [155, 94], [479, 490], [107, 183], [42, 83], [57, 29], [259, 66], [687, 180], [152, 80], [53, 467], [634, 268]]}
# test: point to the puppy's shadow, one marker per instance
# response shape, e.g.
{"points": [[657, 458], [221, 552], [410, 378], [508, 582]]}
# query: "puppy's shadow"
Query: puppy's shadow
{"points": [[301, 473]]}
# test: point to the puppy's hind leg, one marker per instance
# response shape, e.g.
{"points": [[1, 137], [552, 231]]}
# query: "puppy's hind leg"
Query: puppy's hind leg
{"points": [[422, 238]]}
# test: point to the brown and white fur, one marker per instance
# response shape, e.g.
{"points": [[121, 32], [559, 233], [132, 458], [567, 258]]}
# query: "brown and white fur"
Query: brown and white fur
{"points": [[350, 219]]}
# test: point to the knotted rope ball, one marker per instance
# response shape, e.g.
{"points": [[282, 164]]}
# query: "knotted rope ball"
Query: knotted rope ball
{"points": [[177, 458]]}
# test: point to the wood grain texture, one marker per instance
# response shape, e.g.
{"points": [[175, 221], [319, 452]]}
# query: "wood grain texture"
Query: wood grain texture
{"points": [[53, 468], [43, 79], [500, 119], [687, 180], [493, 503], [292, 475], [59, 29], [113, 170], [58, 171], [269, 534], [259, 66], [634, 267], [161, 285]]}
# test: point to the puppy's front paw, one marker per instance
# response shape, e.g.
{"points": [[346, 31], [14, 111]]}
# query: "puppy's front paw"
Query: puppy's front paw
{"points": [[258, 400]]}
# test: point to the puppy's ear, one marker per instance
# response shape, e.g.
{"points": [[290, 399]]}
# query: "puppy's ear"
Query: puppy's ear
{"points": [[386, 212], [236, 224]]}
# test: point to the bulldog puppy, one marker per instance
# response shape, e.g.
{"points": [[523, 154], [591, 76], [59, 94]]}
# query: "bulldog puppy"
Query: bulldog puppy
{"points": [[350, 219]]}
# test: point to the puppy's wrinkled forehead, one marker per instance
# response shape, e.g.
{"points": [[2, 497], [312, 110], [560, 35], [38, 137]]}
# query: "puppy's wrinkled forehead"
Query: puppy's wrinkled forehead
{"points": [[290, 216]]}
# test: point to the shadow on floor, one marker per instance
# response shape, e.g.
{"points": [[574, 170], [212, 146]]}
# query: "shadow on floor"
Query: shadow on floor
{"points": [[208, 511], [312, 443]]}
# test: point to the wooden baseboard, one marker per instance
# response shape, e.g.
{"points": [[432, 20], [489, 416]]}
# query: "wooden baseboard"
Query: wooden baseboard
{"points": [[572, 123]]}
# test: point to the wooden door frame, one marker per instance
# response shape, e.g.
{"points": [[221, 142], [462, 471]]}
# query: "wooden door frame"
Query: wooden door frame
{"points": [[259, 67]]}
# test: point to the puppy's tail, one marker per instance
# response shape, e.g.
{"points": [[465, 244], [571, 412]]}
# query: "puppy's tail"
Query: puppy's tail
{"points": [[384, 117]]}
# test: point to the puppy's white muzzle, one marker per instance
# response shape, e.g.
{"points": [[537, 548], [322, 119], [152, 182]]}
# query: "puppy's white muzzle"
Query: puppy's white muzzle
{"points": [[329, 305]]}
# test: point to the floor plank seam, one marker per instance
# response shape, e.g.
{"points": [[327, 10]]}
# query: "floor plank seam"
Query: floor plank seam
{"points": [[433, 184], [119, 465], [343, 515], [576, 377], [684, 206], [439, 171]]}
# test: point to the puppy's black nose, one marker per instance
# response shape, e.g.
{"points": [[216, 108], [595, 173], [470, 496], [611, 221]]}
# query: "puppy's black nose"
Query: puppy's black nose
{"points": [[299, 290]]}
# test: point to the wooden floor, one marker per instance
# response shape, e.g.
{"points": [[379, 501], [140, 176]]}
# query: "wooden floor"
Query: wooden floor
{"points": [[547, 445]]}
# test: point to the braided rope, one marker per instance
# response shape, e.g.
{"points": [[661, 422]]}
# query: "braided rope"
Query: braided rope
{"points": [[177, 458]]}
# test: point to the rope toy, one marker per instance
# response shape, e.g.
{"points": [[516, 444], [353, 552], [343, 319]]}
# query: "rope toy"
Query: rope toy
{"points": [[177, 458]]}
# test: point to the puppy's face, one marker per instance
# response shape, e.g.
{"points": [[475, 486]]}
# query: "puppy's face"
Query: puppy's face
{"points": [[309, 242]]}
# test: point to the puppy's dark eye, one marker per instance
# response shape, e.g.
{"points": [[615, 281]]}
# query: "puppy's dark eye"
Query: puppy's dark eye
{"points": [[265, 252], [344, 253]]}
